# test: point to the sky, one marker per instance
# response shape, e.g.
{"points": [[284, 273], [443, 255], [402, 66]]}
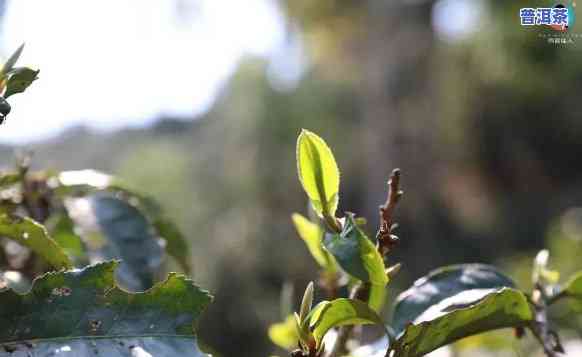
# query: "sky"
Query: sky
{"points": [[113, 63]]}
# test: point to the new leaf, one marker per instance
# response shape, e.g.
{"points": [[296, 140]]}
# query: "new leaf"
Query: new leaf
{"points": [[312, 235], [318, 173], [340, 312]]}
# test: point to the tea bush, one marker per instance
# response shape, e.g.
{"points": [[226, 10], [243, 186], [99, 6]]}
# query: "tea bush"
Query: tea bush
{"points": [[83, 260]]}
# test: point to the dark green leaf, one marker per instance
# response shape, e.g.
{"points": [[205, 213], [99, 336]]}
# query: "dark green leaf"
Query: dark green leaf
{"points": [[340, 312], [356, 254], [468, 313], [34, 236], [19, 80], [84, 182], [441, 284], [82, 312], [113, 229]]}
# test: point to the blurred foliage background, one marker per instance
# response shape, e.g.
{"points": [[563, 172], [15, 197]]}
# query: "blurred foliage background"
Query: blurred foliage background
{"points": [[484, 123]]}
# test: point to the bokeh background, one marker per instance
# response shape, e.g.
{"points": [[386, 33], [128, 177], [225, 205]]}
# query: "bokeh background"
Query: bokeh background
{"points": [[199, 103]]}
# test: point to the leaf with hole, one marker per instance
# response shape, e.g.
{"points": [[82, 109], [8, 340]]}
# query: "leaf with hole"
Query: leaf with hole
{"points": [[83, 313], [318, 173]]}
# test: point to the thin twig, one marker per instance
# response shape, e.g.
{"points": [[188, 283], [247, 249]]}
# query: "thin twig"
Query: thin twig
{"points": [[548, 338], [386, 240]]}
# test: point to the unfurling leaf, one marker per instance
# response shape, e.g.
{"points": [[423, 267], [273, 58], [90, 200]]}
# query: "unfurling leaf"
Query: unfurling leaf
{"points": [[312, 235], [306, 302], [318, 173]]}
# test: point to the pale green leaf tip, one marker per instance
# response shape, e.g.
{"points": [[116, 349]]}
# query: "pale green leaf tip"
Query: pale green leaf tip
{"points": [[307, 133], [307, 302]]}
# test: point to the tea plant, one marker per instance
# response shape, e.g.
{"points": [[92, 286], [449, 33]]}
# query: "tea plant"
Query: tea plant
{"points": [[73, 245], [442, 307], [83, 260]]}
